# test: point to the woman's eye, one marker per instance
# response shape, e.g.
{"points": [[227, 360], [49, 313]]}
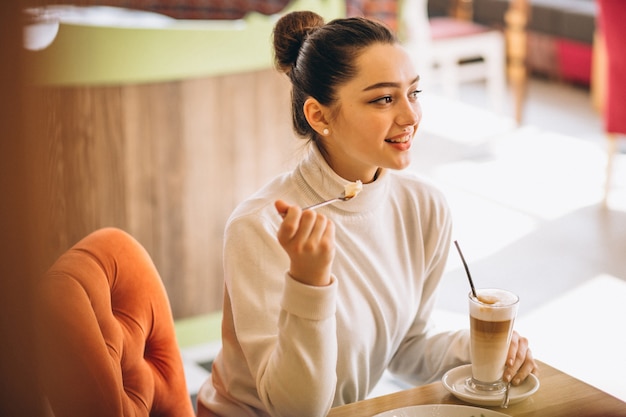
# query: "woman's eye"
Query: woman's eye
{"points": [[414, 94], [383, 100]]}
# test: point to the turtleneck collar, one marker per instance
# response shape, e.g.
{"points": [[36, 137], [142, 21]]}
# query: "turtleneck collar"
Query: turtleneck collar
{"points": [[319, 182]]}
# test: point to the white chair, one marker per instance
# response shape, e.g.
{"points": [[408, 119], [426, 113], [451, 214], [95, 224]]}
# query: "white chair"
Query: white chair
{"points": [[448, 51]]}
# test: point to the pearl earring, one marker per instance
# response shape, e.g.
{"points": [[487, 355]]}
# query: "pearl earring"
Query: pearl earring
{"points": [[325, 131]]}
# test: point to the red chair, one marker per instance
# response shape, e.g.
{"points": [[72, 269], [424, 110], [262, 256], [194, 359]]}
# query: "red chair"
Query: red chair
{"points": [[107, 341], [612, 27]]}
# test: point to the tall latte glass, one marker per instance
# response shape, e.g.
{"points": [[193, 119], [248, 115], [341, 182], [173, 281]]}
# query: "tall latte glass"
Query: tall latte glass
{"points": [[492, 315]]}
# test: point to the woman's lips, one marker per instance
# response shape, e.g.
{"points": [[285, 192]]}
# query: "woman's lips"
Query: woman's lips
{"points": [[401, 138]]}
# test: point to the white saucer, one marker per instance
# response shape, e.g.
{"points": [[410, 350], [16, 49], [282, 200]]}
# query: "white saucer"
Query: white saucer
{"points": [[447, 410], [454, 381]]}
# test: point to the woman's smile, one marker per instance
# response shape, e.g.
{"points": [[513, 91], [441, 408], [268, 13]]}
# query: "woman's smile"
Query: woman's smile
{"points": [[400, 144], [400, 138]]}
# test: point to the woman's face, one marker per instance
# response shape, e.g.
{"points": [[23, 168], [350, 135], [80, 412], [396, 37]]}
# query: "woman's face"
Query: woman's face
{"points": [[376, 116]]}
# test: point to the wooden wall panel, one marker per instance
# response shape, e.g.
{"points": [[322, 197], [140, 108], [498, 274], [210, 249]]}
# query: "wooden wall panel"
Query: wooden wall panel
{"points": [[167, 162], [85, 162], [205, 210], [156, 163]]}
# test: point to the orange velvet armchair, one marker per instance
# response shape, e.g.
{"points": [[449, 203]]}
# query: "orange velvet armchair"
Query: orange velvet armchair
{"points": [[107, 340]]}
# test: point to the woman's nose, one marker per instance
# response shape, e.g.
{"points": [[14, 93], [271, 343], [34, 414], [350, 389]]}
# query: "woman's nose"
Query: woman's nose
{"points": [[410, 113]]}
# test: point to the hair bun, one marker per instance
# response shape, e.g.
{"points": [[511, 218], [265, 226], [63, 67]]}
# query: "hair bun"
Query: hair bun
{"points": [[289, 34]]}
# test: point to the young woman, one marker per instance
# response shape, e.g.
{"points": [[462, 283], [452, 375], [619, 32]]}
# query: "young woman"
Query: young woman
{"points": [[319, 303]]}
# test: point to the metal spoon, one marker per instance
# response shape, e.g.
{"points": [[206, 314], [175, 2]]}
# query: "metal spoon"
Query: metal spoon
{"points": [[332, 200], [350, 191], [353, 191]]}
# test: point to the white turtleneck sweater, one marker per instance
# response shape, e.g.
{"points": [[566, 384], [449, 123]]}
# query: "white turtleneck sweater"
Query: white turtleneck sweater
{"points": [[291, 349]]}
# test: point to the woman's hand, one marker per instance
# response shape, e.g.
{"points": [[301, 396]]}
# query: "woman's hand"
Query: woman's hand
{"points": [[520, 362], [309, 240]]}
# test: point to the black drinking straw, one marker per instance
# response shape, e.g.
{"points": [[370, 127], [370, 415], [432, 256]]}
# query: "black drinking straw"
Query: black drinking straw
{"points": [[469, 276]]}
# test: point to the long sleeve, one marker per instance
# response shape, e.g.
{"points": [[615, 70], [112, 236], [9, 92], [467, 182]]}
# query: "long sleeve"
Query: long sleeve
{"points": [[286, 331]]}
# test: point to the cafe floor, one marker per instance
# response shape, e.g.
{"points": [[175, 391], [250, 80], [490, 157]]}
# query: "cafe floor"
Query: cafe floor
{"points": [[528, 216]]}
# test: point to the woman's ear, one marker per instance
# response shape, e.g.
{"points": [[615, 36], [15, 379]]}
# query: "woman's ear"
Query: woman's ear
{"points": [[315, 114]]}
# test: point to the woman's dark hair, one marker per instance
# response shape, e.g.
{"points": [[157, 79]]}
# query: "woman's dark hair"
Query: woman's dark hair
{"points": [[319, 57]]}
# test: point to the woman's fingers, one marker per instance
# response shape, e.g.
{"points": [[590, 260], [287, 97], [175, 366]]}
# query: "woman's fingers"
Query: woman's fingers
{"points": [[291, 221], [528, 366], [520, 362], [308, 238], [281, 207]]}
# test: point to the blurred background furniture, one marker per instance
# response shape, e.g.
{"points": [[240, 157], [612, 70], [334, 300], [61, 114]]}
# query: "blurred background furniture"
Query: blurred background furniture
{"points": [[450, 50], [135, 120], [106, 333], [612, 33], [560, 35], [550, 39]]}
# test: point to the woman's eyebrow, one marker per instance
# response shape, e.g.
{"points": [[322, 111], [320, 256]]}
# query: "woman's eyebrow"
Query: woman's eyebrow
{"points": [[388, 84]]}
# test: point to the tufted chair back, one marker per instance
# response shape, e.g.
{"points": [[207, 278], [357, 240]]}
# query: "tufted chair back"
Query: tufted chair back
{"points": [[107, 340]]}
